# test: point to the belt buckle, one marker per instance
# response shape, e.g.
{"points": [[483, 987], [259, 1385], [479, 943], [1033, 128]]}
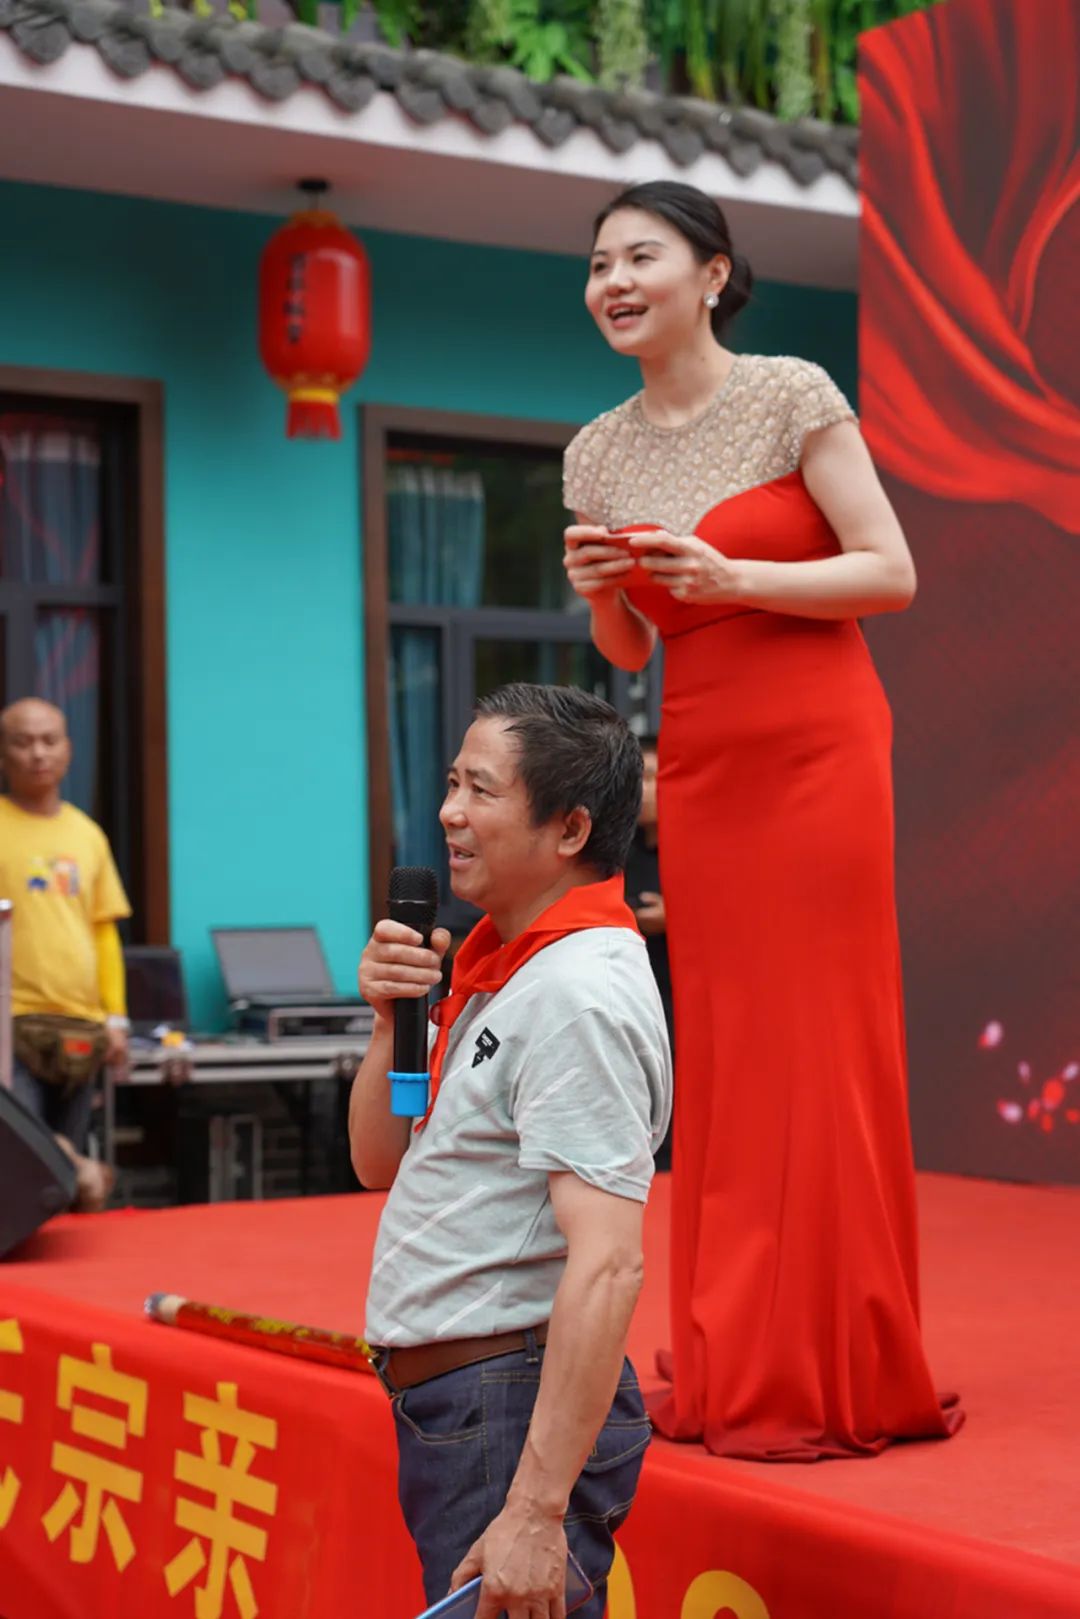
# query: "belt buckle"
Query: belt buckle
{"points": [[378, 1360]]}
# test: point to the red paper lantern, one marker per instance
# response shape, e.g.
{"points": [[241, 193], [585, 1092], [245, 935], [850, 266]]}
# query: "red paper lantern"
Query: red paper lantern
{"points": [[314, 318]]}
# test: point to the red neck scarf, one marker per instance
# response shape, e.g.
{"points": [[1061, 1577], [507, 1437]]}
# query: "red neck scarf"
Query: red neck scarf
{"points": [[484, 963]]}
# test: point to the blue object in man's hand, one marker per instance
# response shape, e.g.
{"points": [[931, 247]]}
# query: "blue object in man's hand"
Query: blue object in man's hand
{"points": [[408, 1095], [463, 1604]]}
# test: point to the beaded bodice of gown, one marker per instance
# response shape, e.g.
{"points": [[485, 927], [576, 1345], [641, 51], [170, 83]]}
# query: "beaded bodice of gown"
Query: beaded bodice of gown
{"points": [[622, 469]]}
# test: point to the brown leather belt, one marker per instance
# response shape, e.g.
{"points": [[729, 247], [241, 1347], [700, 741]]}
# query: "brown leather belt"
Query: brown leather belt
{"points": [[401, 1369]]}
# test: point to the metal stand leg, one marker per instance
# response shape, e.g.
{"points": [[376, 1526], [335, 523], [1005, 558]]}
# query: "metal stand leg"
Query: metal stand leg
{"points": [[305, 1138], [228, 1135], [6, 1053], [108, 1116]]}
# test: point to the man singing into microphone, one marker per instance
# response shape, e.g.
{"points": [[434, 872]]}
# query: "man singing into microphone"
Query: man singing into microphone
{"points": [[509, 1254]]}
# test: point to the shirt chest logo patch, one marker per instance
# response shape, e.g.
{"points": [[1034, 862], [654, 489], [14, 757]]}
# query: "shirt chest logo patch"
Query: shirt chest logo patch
{"points": [[58, 876], [486, 1046]]}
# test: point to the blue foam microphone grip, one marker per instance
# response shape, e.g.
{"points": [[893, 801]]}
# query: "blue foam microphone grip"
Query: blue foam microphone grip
{"points": [[408, 1094]]}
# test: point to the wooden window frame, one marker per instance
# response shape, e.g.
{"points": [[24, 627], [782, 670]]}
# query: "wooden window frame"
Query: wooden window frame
{"points": [[146, 397], [377, 423]]}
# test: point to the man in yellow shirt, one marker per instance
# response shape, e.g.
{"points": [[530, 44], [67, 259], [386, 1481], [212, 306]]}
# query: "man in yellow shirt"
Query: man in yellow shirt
{"points": [[57, 869]]}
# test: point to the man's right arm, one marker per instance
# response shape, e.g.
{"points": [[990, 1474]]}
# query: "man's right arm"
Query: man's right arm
{"points": [[394, 966]]}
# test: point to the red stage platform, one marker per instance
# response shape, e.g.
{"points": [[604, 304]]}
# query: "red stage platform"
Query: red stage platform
{"points": [[163, 1473]]}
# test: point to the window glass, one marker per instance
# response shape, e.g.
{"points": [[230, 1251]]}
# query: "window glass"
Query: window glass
{"points": [[66, 488], [477, 598], [417, 748], [50, 499], [476, 526], [548, 663]]}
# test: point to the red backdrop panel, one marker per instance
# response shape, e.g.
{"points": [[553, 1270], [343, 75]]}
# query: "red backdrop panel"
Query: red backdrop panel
{"points": [[970, 396]]}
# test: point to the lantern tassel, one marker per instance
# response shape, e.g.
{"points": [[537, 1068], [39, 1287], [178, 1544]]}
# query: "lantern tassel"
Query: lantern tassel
{"points": [[313, 413]]}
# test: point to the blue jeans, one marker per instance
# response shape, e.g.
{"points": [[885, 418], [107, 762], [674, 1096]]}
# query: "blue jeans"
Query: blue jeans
{"points": [[460, 1438], [64, 1113]]}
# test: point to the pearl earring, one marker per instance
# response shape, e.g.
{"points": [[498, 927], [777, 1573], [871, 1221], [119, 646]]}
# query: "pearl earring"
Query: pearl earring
{"points": [[711, 300]]}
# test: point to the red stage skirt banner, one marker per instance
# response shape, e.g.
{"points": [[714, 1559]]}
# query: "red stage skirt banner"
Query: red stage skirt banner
{"points": [[153, 1473]]}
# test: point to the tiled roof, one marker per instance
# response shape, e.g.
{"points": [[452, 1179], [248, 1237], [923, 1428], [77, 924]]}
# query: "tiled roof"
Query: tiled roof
{"points": [[428, 86]]}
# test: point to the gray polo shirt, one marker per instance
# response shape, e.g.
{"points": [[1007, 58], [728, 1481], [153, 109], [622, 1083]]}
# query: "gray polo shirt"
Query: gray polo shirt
{"points": [[567, 1067]]}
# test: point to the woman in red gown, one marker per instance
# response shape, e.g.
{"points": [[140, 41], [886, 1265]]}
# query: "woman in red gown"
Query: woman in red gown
{"points": [[762, 537]]}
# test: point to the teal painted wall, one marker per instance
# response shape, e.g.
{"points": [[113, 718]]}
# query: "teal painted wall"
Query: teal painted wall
{"points": [[265, 657]]}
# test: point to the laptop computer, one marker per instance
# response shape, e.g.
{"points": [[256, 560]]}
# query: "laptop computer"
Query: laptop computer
{"points": [[275, 967], [155, 988]]}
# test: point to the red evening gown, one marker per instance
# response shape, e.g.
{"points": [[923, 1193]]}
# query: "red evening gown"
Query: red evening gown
{"points": [[795, 1311]]}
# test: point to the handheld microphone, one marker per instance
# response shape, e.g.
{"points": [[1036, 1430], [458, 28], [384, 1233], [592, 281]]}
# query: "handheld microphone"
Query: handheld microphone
{"points": [[413, 899]]}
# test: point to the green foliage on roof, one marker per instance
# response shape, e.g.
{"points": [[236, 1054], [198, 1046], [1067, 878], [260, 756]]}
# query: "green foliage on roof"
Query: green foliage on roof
{"points": [[794, 58]]}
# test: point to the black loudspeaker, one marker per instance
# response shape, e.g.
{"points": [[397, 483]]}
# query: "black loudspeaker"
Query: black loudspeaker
{"points": [[37, 1179]]}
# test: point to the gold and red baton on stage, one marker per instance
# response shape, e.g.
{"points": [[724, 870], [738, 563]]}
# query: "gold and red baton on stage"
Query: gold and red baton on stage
{"points": [[261, 1332]]}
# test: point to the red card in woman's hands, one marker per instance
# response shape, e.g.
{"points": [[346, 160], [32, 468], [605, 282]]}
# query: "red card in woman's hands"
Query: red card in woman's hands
{"points": [[621, 537]]}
